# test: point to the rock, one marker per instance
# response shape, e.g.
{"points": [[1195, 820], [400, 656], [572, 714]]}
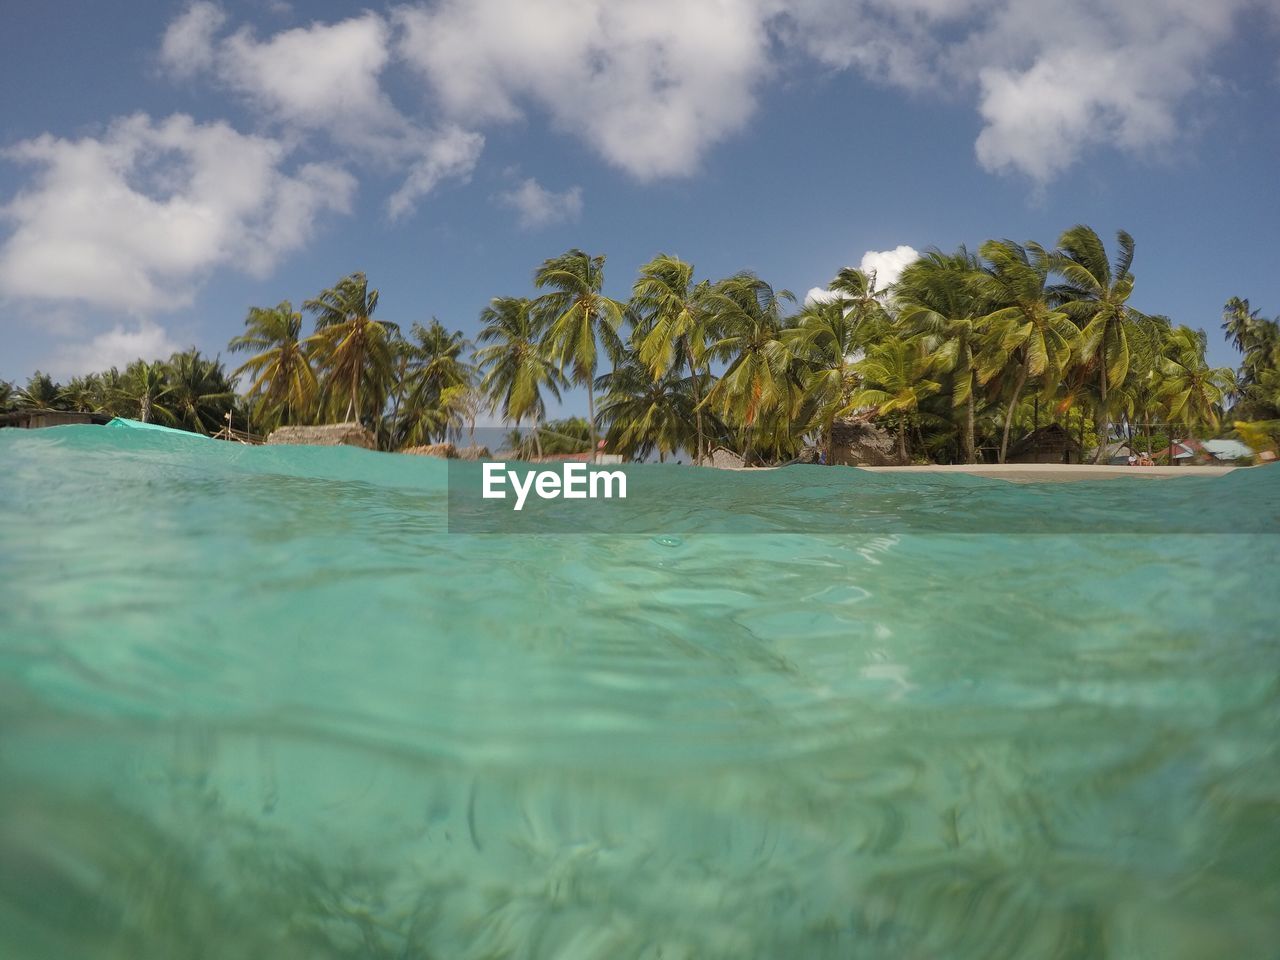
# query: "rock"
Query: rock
{"points": [[325, 435], [446, 450]]}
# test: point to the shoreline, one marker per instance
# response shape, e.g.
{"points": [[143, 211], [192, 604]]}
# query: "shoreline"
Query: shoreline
{"points": [[1041, 472]]}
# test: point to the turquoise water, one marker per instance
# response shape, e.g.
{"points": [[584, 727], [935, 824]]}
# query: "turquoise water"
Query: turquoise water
{"points": [[257, 702]]}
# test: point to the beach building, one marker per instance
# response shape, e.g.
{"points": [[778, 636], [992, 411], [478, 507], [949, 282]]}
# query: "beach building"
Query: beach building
{"points": [[1051, 443], [35, 419], [1204, 452]]}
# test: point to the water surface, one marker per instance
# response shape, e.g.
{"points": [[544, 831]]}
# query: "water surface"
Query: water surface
{"points": [[257, 702]]}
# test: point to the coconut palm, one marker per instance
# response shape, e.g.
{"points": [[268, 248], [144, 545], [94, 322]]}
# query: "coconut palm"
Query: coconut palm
{"points": [[432, 373], [199, 393], [147, 386], [938, 299], [7, 399], [827, 340], [672, 328], [353, 348], [284, 382], [581, 318], [1095, 294], [1141, 395], [1240, 323], [42, 392], [1193, 391], [1037, 340], [516, 367], [645, 414], [746, 315], [856, 289], [895, 377]]}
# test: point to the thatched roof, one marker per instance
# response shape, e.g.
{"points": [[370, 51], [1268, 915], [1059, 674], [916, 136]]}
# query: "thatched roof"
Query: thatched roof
{"points": [[1051, 434], [858, 443], [721, 457], [474, 453], [325, 435], [446, 450]]}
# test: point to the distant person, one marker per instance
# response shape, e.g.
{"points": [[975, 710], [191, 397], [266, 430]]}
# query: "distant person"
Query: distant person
{"points": [[1145, 460], [1133, 459], [822, 458]]}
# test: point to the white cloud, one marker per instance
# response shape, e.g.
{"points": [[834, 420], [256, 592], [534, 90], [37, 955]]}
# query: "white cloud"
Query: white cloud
{"points": [[326, 77], [650, 86], [888, 264], [187, 47], [1052, 79], [450, 153], [134, 220], [540, 207], [116, 347]]}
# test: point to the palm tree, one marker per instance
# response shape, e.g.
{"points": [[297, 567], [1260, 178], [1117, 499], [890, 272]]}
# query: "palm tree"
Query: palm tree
{"points": [[580, 315], [146, 384], [826, 341], [746, 315], [937, 298], [354, 348], [516, 367], [42, 392], [856, 289], [432, 374], [6, 396], [1239, 323], [283, 380], [199, 393], [83, 394], [895, 378], [646, 414], [670, 310], [1037, 339], [1141, 394], [1193, 390], [1095, 294]]}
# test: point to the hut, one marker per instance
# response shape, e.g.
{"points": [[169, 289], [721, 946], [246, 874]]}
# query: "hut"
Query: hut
{"points": [[326, 435], [446, 451], [724, 458], [35, 419], [1048, 444], [857, 443]]}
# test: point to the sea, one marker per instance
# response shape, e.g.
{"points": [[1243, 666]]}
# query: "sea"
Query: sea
{"points": [[294, 702]]}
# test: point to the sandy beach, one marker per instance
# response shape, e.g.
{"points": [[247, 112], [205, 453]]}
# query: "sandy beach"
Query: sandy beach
{"points": [[1059, 473]]}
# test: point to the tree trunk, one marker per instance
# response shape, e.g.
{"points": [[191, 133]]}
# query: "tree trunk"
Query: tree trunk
{"points": [[970, 430], [1101, 425], [144, 409], [1013, 406], [902, 439], [591, 415], [697, 411], [537, 438], [831, 441]]}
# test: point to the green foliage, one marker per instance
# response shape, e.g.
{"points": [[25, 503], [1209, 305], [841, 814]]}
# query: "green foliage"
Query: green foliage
{"points": [[961, 356]]}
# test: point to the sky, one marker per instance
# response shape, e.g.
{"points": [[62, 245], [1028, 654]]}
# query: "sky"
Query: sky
{"points": [[166, 166]]}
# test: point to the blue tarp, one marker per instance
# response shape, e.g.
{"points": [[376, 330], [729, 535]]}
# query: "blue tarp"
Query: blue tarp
{"points": [[139, 425]]}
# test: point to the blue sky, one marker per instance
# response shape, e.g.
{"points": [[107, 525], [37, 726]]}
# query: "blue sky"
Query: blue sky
{"points": [[166, 166]]}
